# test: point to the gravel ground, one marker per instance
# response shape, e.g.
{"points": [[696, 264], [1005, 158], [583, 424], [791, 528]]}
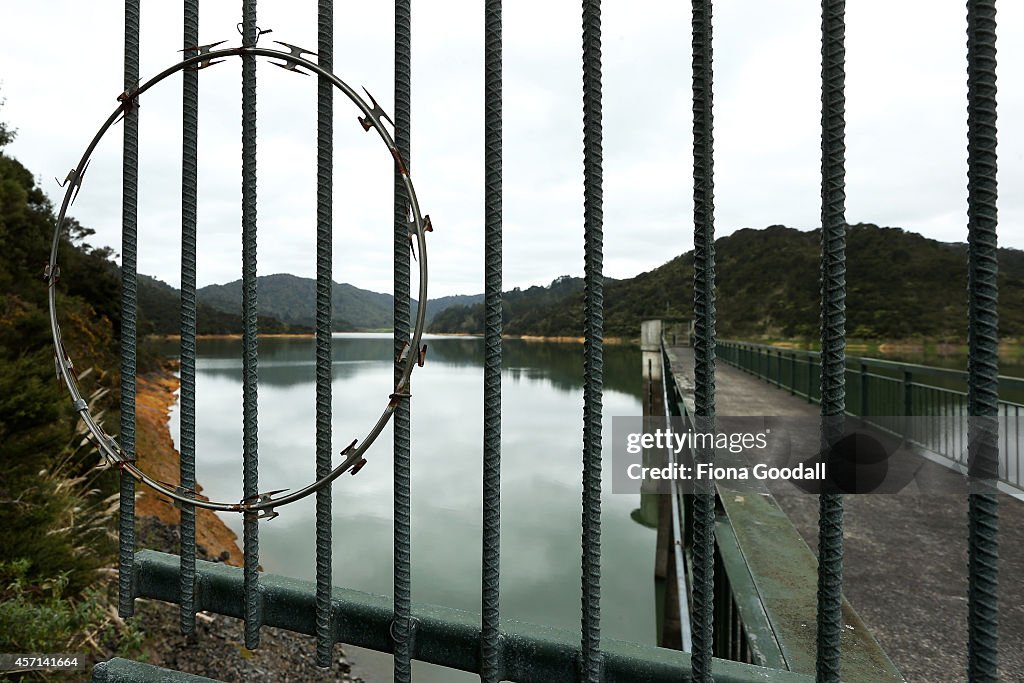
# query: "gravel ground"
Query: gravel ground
{"points": [[216, 648]]}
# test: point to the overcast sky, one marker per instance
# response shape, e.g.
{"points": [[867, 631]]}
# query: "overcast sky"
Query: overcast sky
{"points": [[61, 71]]}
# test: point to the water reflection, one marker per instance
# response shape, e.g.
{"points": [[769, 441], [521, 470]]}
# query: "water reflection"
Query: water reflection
{"points": [[541, 474]]}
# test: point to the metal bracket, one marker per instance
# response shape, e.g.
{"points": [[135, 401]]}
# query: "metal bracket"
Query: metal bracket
{"points": [[400, 393], [376, 111], [203, 50], [296, 51], [256, 38]]}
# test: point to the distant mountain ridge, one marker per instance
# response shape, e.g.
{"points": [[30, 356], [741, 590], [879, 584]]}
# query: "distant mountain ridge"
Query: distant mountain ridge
{"points": [[292, 299], [286, 303], [160, 313], [900, 285]]}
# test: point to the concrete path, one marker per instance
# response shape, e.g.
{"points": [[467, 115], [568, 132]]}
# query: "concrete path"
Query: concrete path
{"points": [[905, 555]]}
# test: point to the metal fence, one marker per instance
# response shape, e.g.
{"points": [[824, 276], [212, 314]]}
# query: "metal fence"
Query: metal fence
{"points": [[760, 604], [499, 649], [887, 391]]}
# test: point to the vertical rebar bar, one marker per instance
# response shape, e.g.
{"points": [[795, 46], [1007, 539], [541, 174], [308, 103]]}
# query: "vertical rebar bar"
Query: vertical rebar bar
{"points": [[593, 345], [704, 333], [324, 279], [187, 398], [490, 671], [250, 419], [983, 340], [402, 630], [129, 307], [833, 326]]}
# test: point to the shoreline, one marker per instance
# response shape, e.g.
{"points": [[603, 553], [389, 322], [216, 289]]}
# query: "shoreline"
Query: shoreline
{"points": [[158, 457], [311, 335]]}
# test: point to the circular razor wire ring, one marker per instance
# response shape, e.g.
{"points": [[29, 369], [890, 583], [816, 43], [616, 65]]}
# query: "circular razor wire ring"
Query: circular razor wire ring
{"points": [[108, 446]]}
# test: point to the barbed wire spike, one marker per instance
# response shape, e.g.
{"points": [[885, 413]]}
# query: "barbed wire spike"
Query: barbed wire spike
{"points": [[130, 99], [294, 51], [256, 498], [71, 176], [267, 513], [404, 353], [113, 451], [51, 274], [423, 356], [349, 448], [377, 112], [181, 491], [203, 50], [74, 178], [427, 227]]}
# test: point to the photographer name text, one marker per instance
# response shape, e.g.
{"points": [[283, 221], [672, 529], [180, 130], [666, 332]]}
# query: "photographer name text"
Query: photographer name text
{"points": [[709, 472]]}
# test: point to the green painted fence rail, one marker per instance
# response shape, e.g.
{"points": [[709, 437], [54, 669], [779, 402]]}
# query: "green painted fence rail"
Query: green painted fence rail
{"points": [[764, 594], [449, 637], [884, 390]]}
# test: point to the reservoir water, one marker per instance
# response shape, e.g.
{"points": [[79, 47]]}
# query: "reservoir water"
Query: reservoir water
{"points": [[542, 409]]}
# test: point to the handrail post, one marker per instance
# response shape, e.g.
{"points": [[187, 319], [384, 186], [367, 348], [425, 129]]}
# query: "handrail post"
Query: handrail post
{"points": [[864, 389], [908, 398], [792, 373], [810, 378]]}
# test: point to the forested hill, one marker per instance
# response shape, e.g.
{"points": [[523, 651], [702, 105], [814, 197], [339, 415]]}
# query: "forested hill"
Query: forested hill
{"points": [[547, 311], [160, 313], [55, 520], [290, 300], [900, 285]]}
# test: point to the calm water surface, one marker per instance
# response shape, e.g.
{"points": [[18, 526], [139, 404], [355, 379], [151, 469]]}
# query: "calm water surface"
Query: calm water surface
{"points": [[541, 476]]}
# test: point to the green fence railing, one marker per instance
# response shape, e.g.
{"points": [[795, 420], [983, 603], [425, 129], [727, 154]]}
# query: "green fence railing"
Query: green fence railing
{"points": [[883, 391], [761, 605]]}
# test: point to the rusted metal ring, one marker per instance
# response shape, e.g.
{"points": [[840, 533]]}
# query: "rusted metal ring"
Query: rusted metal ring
{"points": [[372, 116]]}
